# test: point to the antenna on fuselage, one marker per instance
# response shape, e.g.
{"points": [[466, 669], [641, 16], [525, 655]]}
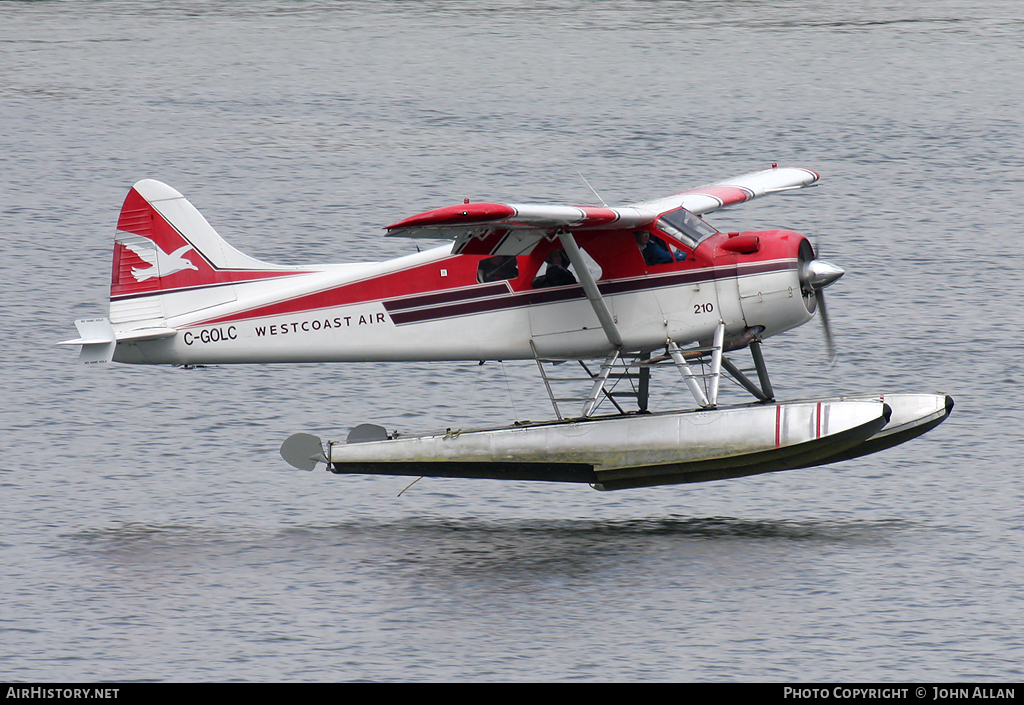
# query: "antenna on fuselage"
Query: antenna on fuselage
{"points": [[592, 189]]}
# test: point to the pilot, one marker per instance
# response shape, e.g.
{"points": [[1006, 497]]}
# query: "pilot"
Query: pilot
{"points": [[654, 249], [557, 273]]}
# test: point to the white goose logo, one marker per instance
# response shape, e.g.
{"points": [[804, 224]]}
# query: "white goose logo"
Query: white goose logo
{"points": [[161, 263]]}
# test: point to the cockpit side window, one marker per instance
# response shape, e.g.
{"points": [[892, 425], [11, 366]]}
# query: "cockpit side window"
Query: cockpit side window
{"points": [[497, 268], [685, 227]]}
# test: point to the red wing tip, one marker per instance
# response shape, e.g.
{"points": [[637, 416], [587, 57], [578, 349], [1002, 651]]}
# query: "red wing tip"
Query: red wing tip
{"points": [[463, 213], [812, 172]]}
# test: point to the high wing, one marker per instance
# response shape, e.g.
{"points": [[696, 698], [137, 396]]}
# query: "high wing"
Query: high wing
{"points": [[512, 229], [515, 229], [722, 194]]}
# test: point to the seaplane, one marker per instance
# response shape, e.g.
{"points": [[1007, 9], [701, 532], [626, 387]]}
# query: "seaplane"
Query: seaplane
{"points": [[601, 298]]}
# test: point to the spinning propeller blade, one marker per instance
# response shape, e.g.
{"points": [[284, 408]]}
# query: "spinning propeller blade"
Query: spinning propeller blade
{"points": [[830, 348], [815, 275]]}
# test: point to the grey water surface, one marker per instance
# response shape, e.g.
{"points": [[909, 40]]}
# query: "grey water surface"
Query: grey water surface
{"points": [[150, 531]]}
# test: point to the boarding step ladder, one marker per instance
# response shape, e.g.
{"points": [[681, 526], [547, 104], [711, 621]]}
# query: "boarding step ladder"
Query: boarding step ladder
{"points": [[691, 363], [602, 384]]}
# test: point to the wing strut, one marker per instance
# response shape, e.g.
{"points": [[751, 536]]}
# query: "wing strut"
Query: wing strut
{"points": [[590, 287]]}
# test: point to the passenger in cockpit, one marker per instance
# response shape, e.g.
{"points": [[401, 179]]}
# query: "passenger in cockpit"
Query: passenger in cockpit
{"points": [[654, 249], [557, 272]]}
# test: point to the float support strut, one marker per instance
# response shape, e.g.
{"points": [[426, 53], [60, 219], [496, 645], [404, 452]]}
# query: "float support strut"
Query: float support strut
{"points": [[762, 370]]}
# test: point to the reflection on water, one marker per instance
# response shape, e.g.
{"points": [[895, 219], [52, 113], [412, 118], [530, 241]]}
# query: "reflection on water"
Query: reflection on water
{"points": [[133, 538], [437, 551]]}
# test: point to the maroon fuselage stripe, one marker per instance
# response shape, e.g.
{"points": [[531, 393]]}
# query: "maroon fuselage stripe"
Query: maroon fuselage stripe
{"points": [[541, 296], [446, 296]]}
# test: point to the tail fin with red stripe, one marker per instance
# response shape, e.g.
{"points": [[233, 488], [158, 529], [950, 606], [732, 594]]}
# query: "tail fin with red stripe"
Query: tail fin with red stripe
{"points": [[168, 260]]}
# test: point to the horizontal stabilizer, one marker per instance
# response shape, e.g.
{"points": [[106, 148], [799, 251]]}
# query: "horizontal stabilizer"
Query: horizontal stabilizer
{"points": [[146, 334], [96, 336], [98, 339]]}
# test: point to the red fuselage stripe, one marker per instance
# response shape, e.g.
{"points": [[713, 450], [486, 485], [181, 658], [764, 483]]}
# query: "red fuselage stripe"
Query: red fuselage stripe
{"points": [[483, 299]]}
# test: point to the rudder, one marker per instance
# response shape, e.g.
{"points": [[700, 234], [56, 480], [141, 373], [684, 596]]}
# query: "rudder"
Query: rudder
{"points": [[163, 250]]}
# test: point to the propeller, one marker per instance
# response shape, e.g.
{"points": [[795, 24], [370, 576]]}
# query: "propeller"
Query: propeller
{"points": [[815, 275]]}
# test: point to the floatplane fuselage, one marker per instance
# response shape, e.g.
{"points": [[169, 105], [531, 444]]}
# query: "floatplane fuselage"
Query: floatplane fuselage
{"points": [[636, 287]]}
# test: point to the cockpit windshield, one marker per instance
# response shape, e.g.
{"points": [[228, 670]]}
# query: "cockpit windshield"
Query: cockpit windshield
{"points": [[686, 227]]}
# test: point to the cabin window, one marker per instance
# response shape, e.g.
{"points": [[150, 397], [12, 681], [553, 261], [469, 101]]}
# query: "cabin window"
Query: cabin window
{"points": [[686, 227], [497, 268]]}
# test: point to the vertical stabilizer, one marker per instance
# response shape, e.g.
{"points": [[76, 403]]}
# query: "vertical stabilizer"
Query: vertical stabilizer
{"points": [[168, 260]]}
